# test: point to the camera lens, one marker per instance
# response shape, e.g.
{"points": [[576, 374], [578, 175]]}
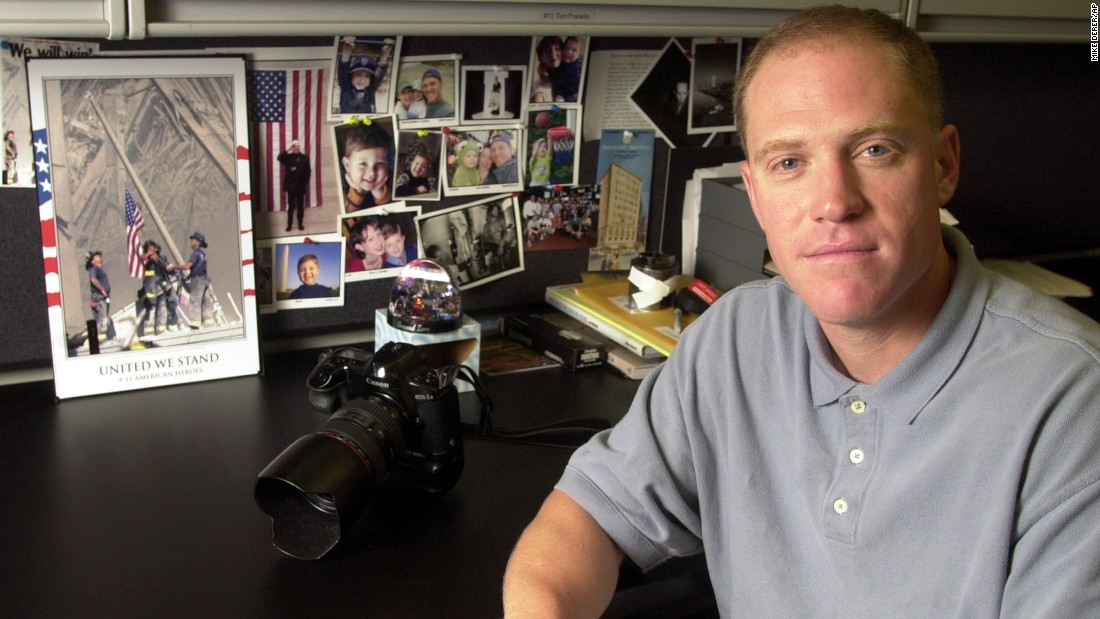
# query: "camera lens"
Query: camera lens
{"points": [[321, 482]]}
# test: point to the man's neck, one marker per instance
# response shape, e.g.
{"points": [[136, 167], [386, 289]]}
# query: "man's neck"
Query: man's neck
{"points": [[866, 353]]}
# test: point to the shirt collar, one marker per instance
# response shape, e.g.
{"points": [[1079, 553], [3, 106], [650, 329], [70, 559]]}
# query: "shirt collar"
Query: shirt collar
{"points": [[908, 388]]}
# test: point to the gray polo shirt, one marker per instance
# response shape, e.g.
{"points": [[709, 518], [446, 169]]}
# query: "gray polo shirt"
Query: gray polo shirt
{"points": [[962, 484]]}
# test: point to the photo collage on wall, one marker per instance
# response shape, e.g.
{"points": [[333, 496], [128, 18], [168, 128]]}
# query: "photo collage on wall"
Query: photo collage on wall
{"points": [[354, 146], [373, 148]]}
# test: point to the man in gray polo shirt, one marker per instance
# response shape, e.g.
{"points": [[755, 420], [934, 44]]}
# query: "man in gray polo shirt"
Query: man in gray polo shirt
{"points": [[887, 430]]}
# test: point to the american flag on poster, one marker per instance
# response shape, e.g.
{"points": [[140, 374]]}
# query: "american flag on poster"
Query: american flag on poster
{"points": [[134, 223], [284, 105]]}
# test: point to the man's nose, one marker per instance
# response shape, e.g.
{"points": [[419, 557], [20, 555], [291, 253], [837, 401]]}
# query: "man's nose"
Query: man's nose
{"points": [[838, 194]]}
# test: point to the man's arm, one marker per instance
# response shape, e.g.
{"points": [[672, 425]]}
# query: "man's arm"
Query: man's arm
{"points": [[564, 565]]}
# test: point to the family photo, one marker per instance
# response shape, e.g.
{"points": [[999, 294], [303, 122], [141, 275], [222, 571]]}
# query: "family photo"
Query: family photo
{"points": [[481, 161]]}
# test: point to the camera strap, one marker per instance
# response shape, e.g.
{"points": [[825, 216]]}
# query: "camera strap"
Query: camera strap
{"points": [[448, 375], [485, 429]]}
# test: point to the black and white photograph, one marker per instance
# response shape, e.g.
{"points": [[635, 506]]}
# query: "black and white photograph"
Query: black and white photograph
{"points": [[430, 83], [418, 163], [663, 96], [715, 63], [380, 241], [557, 67], [148, 264], [477, 242], [361, 76], [309, 272], [492, 94], [483, 160]]}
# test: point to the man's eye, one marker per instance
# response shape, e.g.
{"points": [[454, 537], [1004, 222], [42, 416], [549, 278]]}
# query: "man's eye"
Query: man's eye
{"points": [[787, 165], [877, 150]]}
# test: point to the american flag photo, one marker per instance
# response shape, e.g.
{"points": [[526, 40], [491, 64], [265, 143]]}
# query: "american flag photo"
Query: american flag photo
{"points": [[283, 106]]}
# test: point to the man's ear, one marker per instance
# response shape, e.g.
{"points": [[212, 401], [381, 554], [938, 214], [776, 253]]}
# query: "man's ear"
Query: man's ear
{"points": [[947, 162]]}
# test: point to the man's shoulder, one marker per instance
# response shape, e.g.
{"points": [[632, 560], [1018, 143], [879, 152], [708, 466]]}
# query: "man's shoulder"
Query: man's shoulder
{"points": [[752, 305], [1028, 313]]}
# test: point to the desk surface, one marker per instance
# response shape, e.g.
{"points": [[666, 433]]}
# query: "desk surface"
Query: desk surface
{"points": [[140, 504]]}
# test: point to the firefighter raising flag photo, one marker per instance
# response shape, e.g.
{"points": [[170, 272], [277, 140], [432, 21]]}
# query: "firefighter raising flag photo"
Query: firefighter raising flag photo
{"points": [[149, 272]]}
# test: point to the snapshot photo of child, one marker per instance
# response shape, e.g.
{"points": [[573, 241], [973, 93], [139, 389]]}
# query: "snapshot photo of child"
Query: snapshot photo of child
{"points": [[483, 160], [477, 242], [492, 94], [557, 69], [364, 150], [552, 155], [307, 272], [361, 73], [418, 155], [380, 240]]}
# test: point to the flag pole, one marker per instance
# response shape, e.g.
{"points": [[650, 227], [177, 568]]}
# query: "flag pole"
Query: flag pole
{"points": [[149, 206]]}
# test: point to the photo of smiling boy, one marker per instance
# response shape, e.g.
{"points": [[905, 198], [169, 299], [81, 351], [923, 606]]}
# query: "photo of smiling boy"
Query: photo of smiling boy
{"points": [[309, 269], [399, 250], [317, 263], [366, 159]]}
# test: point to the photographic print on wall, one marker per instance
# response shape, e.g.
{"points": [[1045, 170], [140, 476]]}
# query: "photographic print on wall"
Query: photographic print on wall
{"points": [[361, 75], [149, 273], [418, 159], [558, 66], [380, 241], [477, 242], [430, 86], [365, 161], [552, 154], [715, 64], [663, 96], [492, 94], [483, 160], [309, 272]]}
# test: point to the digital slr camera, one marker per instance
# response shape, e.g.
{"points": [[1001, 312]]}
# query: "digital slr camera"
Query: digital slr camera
{"points": [[395, 423]]}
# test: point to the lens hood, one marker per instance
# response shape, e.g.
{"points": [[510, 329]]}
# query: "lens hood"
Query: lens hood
{"points": [[311, 490]]}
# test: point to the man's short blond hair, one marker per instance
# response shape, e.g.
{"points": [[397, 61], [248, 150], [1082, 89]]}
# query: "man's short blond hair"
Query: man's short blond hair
{"points": [[826, 25]]}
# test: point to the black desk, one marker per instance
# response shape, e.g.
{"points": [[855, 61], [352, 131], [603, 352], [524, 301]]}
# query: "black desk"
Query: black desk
{"points": [[140, 504]]}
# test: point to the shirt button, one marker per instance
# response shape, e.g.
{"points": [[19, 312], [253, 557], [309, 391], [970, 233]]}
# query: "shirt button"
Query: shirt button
{"points": [[859, 406], [856, 455], [840, 506]]}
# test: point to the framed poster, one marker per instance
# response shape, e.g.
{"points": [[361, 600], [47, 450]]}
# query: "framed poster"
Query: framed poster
{"points": [[149, 273]]}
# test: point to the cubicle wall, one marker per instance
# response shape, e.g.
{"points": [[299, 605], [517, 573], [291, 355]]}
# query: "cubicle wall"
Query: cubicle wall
{"points": [[1024, 110]]}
